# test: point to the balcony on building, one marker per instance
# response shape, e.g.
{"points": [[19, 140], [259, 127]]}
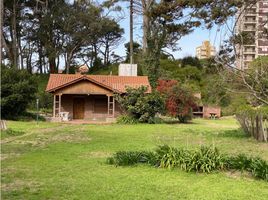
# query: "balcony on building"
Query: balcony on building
{"points": [[250, 20], [249, 50], [249, 28]]}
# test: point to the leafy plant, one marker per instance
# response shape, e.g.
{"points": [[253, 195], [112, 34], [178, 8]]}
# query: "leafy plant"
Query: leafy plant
{"points": [[179, 100], [18, 90], [259, 168], [128, 158], [204, 160], [141, 105], [126, 119]]}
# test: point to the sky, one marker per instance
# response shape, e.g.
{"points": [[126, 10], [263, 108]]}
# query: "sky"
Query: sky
{"points": [[187, 44]]}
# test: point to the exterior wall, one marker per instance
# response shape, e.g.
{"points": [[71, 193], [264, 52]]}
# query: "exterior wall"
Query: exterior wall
{"points": [[207, 110], [96, 106]]}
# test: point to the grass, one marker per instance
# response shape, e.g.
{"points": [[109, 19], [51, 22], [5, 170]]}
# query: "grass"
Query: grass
{"points": [[63, 161]]}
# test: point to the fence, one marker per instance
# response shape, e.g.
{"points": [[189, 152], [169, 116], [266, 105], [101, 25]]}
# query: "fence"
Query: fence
{"points": [[254, 122]]}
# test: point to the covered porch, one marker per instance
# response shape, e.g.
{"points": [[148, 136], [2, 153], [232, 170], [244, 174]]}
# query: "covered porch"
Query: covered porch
{"points": [[91, 107]]}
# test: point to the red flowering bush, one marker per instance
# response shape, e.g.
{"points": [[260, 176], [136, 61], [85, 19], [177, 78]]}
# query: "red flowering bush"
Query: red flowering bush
{"points": [[179, 101]]}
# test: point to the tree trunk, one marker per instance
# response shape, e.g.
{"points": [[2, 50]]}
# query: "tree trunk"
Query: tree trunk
{"points": [[1, 28], [40, 55], [52, 65], [68, 63], [146, 4], [14, 61]]}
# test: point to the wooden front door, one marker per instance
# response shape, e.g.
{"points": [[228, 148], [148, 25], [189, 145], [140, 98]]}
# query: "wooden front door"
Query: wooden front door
{"points": [[78, 108]]}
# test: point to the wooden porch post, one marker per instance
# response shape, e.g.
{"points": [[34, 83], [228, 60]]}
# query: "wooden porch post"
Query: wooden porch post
{"points": [[59, 103], [108, 111], [54, 105], [113, 106]]}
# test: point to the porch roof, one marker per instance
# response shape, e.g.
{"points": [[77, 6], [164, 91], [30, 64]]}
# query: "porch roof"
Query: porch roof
{"points": [[116, 84]]}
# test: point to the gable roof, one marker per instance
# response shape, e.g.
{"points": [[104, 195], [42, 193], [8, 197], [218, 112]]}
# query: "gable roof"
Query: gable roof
{"points": [[116, 84]]}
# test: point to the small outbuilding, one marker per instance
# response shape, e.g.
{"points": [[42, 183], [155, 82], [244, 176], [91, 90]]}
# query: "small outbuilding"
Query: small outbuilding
{"points": [[89, 97]]}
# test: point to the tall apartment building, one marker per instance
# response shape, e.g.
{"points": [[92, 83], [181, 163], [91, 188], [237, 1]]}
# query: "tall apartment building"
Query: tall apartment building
{"points": [[206, 50], [251, 21]]}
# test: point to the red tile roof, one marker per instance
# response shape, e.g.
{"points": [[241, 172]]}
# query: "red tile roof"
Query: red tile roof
{"points": [[114, 83]]}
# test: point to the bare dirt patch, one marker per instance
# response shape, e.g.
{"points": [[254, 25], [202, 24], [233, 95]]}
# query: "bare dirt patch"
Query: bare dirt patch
{"points": [[237, 174], [72, 138], [44, 140]]}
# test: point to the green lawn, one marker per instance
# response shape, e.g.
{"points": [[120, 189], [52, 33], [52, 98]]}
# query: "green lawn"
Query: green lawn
{"points": [[63, 161]]}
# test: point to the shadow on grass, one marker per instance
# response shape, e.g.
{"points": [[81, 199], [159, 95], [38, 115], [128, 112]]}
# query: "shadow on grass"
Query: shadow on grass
{"points": [[233, 134], [177, 122]]}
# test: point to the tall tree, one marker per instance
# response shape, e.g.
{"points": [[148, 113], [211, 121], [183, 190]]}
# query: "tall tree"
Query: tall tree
{"points": [[166, 21]]}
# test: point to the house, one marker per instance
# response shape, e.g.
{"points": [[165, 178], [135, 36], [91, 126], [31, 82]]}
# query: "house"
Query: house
{"points": [[89, 97]]}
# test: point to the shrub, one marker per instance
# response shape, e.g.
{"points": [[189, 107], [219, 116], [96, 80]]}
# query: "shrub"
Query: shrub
{"points": [[204, 160], [18, 90], [259, 168], [239, 162], [256, 166], [128, 158], [126, 119], [140, 105], [179, 100]]}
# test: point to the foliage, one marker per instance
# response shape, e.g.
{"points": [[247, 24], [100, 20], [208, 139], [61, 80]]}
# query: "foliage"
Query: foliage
{"points": [[127, 158], [18, 90], [126, 119], [140, 105], [179, 100], [166, 22], [256, 166], [214, 91], [136, 51], [79, 31], [192, 61], [204, 160], [252, 82]]}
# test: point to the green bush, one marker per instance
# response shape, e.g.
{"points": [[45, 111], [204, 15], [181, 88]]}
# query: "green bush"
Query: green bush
{"points": [[18, 90], [140, 105], [239, 162], [259, 168], [128, 158], [125, 119], [256, 166], [204, 160]]}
